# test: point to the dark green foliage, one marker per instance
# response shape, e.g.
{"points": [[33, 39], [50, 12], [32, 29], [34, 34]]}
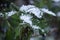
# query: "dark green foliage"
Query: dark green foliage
{"points": [[25, 32], [14, 20]]}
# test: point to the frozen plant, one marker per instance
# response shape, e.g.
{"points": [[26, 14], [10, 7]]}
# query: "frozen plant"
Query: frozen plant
{"points": [[35, 10]]}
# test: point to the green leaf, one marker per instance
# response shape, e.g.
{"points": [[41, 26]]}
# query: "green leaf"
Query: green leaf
{"points": [[14, 20]]}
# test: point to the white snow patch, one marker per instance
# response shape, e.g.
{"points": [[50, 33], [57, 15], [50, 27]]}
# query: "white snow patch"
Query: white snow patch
{"points": [[48, 12], [35, 27], [11, 13], [25, 8], [36, 12], [26, 18]]}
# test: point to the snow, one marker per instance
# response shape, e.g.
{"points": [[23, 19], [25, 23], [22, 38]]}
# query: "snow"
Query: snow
{"points": [[31, 9], [25, 8], [8, 13], [35, 27], [11, 13], [26, 18], [36, 11], [48, 12]]}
